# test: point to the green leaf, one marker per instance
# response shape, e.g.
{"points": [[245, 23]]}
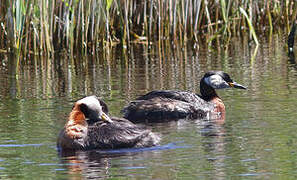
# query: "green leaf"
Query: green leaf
{"points": [[108, 4], [250, 25]]}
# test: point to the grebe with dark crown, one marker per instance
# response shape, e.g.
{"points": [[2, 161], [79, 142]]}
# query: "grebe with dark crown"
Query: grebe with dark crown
{"points": [[89, 127], [165, 105]]}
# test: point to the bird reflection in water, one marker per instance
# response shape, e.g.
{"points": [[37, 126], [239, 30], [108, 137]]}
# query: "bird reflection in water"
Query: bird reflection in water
{"points": [[98, 163], [214, 143], [87, 164]]}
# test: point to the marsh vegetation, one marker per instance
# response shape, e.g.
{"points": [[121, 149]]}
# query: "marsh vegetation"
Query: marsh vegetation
{"points": [[79, 26]]}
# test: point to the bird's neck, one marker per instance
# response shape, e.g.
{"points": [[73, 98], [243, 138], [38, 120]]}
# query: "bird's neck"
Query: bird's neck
{"points": [[76, 126], [207, 92], [219, 105], [76, 117]]}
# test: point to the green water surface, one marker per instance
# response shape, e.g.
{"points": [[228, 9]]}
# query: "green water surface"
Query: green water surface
{"points": [[258, 139]]}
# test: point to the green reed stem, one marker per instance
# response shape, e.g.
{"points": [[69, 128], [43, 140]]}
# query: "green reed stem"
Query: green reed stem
{"points": [[250, 25]]}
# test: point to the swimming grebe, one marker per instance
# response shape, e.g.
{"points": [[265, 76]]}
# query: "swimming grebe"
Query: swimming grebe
{"points": [[89, 127], [164, 105]]}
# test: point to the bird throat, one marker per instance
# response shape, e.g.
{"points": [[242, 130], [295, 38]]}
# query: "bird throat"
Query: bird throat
{"points": [[207, 92]]}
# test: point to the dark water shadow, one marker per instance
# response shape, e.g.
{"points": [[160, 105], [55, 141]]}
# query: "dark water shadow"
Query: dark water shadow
{"points": [[12, 67], [123, 151], [291, 40], [292, 59]]}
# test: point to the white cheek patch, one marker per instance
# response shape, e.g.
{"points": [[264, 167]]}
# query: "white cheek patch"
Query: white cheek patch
{"points": [[216, 82], [92, 103]]}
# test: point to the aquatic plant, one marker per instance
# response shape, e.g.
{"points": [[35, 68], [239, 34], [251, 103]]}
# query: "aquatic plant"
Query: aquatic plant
{"points": [[80, 26]]}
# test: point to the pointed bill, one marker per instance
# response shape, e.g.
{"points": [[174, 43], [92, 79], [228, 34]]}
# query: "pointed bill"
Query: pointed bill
{"points": [[236, 85], [105, 117]]}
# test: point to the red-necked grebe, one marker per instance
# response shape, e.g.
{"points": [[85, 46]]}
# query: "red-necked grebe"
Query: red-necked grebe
{"points": [[89, 127], [165, 105]]}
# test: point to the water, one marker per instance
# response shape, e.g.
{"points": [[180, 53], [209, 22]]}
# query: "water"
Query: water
{"points": [[256, 141]]}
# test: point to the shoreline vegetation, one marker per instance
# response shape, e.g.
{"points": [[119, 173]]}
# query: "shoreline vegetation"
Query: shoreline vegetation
{"points": [[84, 27]]}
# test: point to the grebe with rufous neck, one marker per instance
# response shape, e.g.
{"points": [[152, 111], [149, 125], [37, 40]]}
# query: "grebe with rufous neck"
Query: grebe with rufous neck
{"points": [[90, 127], [166, 105]]}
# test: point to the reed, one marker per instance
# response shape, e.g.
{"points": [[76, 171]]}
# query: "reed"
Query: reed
{"points": [[86, 26]]}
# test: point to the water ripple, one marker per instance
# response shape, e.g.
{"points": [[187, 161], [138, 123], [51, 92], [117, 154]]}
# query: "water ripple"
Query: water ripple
{"points": [[135, 150], [20, 145]]}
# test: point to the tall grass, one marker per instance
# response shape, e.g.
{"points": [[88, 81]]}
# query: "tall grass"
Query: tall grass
{"points": [[85, 26]]}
